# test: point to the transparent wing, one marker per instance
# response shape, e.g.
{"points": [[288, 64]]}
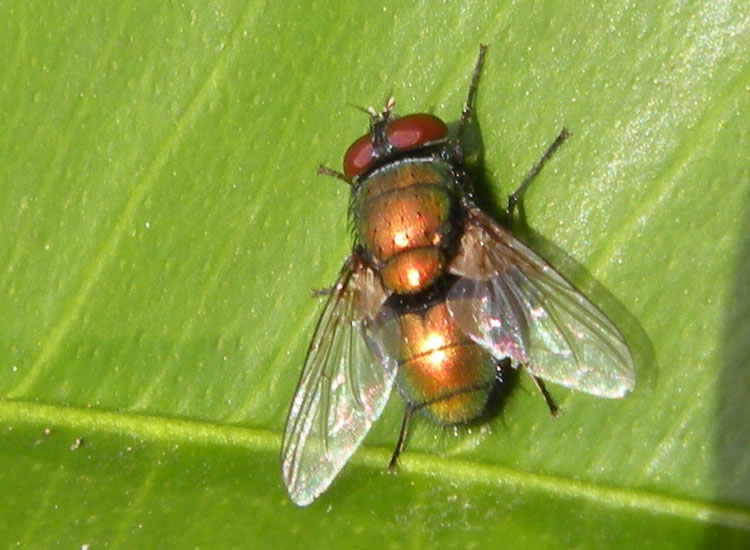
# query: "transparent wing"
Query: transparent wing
{"points": [[344, 386], [510, 301]]}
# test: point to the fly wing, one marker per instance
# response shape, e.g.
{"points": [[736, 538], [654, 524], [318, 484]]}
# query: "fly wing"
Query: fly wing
{"points": [[345, 383], [511, 302]]}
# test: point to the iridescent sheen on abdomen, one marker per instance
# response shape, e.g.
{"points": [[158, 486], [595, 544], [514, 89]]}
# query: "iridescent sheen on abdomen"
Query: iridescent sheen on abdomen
{"points": [[441, 371]]}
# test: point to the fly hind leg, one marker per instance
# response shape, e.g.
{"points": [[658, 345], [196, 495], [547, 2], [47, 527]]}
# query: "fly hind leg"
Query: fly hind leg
{"points": [[411, 407], [401, 439], [539, 383]]}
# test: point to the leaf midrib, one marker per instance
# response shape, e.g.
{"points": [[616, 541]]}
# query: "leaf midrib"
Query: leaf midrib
{"points": [[460, 470]]}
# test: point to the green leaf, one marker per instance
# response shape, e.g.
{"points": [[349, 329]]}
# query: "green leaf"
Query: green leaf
{"points": [[162, 225]]}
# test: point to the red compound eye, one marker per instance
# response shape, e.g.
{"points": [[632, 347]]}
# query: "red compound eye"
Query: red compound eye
{"points": [[415, 130], [358, 156], [403, 133]]}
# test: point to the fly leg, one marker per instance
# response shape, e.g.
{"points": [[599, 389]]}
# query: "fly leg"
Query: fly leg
{"points": [[321, 292], [514, 197], [539, 383], [401, 439], [325, 171], [410, 408], [466, 113]]}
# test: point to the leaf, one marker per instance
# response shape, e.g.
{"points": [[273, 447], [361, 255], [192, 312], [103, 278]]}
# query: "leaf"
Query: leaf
{"points": [[162, 225]]}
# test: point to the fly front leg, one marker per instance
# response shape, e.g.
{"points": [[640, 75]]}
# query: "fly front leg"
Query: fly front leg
{"points": [[469, 105], [514, 197], [325, 171]]}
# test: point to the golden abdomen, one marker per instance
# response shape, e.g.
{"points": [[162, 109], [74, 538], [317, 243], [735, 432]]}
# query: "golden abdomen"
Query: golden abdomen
{"points": [[440, 369]]}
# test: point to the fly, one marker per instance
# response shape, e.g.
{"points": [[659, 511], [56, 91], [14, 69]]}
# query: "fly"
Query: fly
{"points": [[436, 299]]}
